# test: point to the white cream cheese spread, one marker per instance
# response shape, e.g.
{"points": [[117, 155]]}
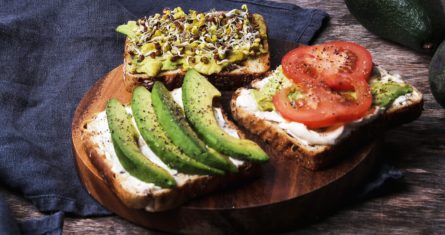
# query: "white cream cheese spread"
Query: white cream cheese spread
{"points": [[384, 76], [299, 131], [102, 137]]}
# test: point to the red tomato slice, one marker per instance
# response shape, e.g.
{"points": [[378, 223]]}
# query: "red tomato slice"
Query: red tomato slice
{"points": [[323, 107], [311, 111], [333, 63], [355, 109]]}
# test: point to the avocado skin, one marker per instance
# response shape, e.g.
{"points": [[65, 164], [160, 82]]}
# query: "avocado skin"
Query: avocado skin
{"points": [[157, 139], [197, 95], [437, 75], [417, 24], [173, 121], [124, 137]]}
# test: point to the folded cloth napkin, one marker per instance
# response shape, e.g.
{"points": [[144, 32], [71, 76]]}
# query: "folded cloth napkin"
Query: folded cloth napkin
{"points": [[48, 225], [51, 53], [8, 225]]}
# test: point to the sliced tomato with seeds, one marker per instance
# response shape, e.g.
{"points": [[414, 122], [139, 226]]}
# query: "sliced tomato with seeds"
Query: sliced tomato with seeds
{"points": [[333, 63], [355, 109], [323, 107], [311, 111]]}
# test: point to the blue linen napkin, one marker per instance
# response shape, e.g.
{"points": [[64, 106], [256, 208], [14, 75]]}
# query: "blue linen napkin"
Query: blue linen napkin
{"points": [[48, 225], [51, 53], [8, 225]]}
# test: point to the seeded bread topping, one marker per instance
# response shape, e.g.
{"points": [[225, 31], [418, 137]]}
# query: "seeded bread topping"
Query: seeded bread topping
{"points": [[208, 42]]}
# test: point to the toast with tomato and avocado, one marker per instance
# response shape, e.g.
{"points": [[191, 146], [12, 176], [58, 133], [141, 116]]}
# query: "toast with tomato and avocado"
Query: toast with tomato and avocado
{"points": [[323, 102], [231, 47], [168, 147]]}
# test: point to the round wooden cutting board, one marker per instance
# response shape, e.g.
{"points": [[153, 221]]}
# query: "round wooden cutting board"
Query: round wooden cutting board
{"points": [[285, 195]]}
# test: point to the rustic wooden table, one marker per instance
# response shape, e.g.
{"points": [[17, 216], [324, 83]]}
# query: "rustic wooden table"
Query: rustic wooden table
{"points": [[418, 148]]}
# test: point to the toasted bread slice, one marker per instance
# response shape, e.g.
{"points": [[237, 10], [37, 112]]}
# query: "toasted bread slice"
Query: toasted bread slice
{"points": [[318, 156], [134, 193], [246, 71]]}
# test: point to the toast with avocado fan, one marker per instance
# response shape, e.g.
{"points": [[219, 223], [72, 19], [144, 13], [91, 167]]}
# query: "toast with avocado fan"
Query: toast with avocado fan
{"points": [[394, 102], [126, 142], [231, 48]]}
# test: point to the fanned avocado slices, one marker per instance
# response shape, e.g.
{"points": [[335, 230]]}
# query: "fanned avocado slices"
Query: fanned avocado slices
{"points": [[172, 119], [157, 139], [197, 95], [125, 136]]}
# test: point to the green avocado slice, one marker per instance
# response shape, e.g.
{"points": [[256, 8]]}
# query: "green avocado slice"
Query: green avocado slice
{"points": [[157, 139], [197, 95], [124, 136], [384, 94], [173, 121], [128, 29]]}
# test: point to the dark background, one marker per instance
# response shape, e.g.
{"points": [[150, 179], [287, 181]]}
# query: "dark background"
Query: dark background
{"points": [[416, 207]]}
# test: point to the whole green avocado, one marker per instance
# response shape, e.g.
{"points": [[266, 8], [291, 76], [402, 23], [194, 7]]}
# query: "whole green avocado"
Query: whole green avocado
{"points": [[437, 75], [417, 24]]}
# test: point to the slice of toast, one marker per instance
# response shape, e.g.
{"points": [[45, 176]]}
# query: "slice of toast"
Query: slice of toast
{"points": [[134, 193], [318, 156], [246, 71]]}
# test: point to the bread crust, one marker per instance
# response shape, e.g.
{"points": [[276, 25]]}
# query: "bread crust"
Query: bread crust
{"points": [[164, 199], [250, 70], [321, 156]]}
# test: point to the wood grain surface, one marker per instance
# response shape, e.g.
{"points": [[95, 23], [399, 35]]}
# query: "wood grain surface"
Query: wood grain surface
{"points": [[416, 206]]}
